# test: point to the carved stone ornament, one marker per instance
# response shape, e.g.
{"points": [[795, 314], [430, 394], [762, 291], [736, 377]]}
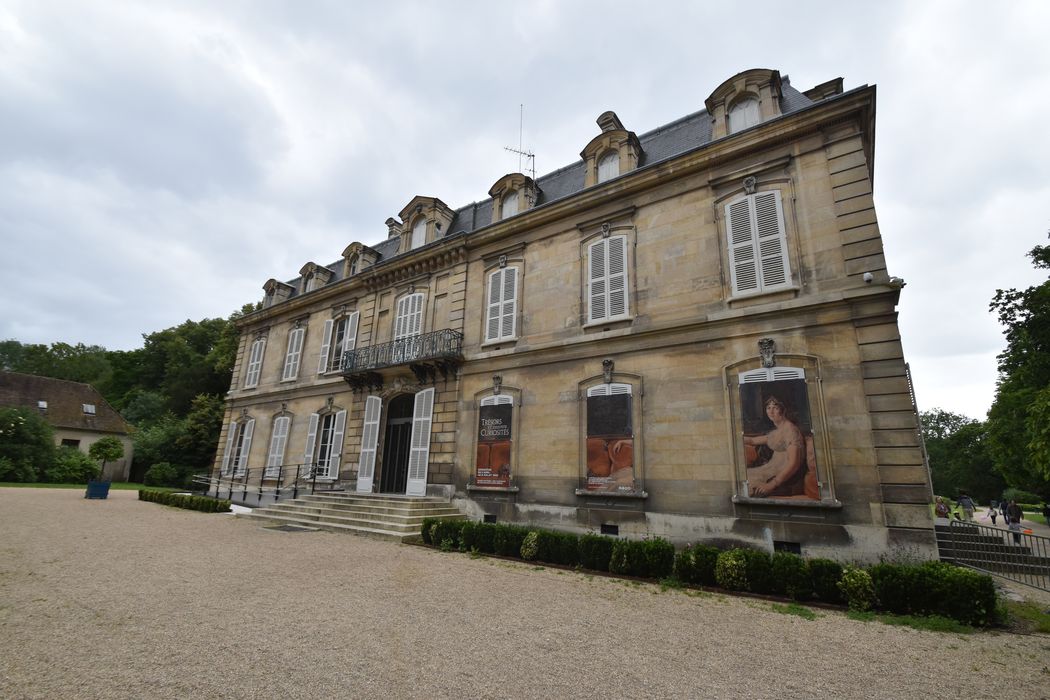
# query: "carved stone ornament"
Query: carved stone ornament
{"points": [[767, 348], [503, 261], [330, 402], [749, 184], [244, 413], [606, 230], [284, 406], [497, 384], [607, 370]]}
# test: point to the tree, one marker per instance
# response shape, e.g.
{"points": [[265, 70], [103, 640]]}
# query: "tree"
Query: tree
{"points": [[107, 449], [957, 448], [27, 445], [1018, 433]]}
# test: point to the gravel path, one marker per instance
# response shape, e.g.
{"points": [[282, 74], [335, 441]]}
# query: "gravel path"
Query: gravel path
{"points": [[122, 599]]}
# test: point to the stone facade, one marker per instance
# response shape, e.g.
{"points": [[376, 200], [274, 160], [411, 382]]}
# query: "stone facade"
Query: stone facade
{"points": [[640, 315]]}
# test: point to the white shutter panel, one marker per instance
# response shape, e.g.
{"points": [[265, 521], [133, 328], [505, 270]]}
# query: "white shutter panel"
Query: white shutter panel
{"points": [[326, 341], [597, 291], [336, 453], [246, 447], [350, 337], [415, 324], [788, 373], [609, 389], [366, 465], [771, 374], [492, 326], [251, 378], [401, 322], [419, 454], [278, 440], [230, 435], [617, 271], [510, 302], [772, 248], [311, 439], [743, 268], [498, 400], [295, 349]]}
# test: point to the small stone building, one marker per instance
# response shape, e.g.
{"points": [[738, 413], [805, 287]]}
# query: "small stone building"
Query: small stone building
{"points": [[77, 413], [689, 333]]}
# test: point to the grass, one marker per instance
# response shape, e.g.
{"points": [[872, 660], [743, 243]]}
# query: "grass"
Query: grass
{"points": [[114, 486], [795, 609], [931, 623], [1028, 616]]}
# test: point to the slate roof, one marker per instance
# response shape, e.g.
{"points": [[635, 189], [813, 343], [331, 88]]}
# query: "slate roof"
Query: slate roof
{"points": [[65, 402], [667, 141]]}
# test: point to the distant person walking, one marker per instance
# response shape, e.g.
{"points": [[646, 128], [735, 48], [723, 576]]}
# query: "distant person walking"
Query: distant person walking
{"points": [[941, 510], [992, 512], [1014, 515], [967, 505]]}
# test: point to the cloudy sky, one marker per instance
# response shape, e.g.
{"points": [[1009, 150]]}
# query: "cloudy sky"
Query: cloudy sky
{"points": [[160, 160]]}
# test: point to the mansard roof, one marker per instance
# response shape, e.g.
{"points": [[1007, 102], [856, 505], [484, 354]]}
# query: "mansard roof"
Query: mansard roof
{"points": [[675, 138]]}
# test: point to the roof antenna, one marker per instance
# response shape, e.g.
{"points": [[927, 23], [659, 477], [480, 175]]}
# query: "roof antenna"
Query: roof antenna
{"points": [[519, 150]]}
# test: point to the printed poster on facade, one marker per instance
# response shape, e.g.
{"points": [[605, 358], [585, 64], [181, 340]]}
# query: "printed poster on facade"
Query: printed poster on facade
{"points": [[778, 440], [492, 467], [610, 444]]}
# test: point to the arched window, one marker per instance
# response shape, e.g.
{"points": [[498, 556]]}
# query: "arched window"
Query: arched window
{"points": [[743, 115], [419, 232], [510, 204], [255, 358], [609, 166]]}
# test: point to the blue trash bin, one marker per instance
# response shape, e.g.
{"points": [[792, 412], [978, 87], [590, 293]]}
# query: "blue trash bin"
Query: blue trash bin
{"points": [[97, 489]]}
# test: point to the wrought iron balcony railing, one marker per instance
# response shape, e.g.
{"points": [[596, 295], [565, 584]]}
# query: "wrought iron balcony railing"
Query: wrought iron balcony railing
{"points": [[426, 353]]}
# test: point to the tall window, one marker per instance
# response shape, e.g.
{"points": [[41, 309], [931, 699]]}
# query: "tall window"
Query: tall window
{"points": [[324, 443], [278, 441], [758, 259], [409, 319], [419, 232], [294, 354], [607, 279], [340, 337], [608, 166], [501, 309], [510, 204], [743, 115], [238, 446], [255, 358], [610, 438], [493, 460]]}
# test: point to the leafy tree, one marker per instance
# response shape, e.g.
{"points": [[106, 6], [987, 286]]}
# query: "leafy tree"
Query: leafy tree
{"points": [[107, 449], [27, 445], [70, 466], [1018, 430], [957, 448]]}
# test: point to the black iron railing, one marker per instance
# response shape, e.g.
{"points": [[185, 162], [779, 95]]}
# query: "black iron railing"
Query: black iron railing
{"points": [[443, 345], [278, 482]]}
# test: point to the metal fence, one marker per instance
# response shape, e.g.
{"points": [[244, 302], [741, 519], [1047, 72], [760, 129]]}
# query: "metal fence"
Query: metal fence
{"points": [[1016, 555], [441, 344], [286, 481]]}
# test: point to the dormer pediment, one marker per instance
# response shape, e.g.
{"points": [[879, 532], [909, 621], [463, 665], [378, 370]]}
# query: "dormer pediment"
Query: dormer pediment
{"points": [[746, 99], [512, 194], [424, 219], [611, 153], [357, 257], [314, 276], [276, 292]]}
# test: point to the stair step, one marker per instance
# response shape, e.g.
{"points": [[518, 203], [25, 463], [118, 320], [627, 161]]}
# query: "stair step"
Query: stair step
{"points": [[332, 527]]}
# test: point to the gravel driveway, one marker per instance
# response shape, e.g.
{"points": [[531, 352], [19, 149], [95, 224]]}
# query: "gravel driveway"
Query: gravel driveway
{"points": [[122, 599]]}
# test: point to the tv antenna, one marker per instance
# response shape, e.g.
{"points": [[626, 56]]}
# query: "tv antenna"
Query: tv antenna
{"points": [[529, 156]]}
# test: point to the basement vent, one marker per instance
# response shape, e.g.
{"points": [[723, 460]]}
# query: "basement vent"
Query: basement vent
{"points": [[608, 529], [490, 517], [789, 547]]}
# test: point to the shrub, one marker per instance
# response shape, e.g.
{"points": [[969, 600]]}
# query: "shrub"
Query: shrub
{"points": [[447, 531], [825, 575], [507, 539], [70, 466], [596, 551], [483, 538], [759, 571], [696, 564], [182, 500], [896, 588], [468, 536], [530, 547], [162, 474], [857, 589], [935, 588], [628, 558], [27, 445], [731, 570], [558, 547], [659, 557], [791, 576], [425, 530]]}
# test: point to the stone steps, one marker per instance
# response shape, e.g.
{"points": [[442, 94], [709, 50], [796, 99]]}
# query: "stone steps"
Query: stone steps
{"points": [[388, 516]]}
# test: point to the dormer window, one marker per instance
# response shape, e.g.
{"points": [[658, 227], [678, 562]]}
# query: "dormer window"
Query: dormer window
{"points": [[608, 166], [309, 283], [744, 114], [419, 232], [89, 409], [510, 204], [353, 265]]}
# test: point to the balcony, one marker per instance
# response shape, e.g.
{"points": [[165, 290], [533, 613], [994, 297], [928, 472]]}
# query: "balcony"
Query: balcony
{"points": [[427, 355]]}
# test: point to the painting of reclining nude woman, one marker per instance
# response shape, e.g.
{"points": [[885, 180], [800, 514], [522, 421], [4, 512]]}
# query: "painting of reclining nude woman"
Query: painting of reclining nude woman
{"points": [[778, 440]]}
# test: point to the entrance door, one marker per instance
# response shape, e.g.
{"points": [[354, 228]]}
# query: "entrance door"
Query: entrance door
{"points": [[396, 445]]}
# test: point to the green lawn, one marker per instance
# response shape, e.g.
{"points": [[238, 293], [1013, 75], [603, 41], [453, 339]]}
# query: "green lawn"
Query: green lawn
{"points": [[114, 486]]}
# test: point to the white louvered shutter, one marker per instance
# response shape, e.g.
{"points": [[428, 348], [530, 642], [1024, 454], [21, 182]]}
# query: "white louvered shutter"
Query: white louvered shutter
{"points": [[278, 440], [251, 377], [231, 433], [607, 270], [311, 441], [771, 374], [326, 342], [772, 246], [609, 389], [335, 454], [497, 400], [409, 319], [617, 267], [419, 454], [597, 287], [366, 465], [757, 243], [743, 268], [502, 304], [246, 447], [350, 335], [295, 351]]}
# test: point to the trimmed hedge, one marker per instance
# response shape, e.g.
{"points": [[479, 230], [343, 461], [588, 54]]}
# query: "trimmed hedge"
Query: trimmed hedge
{"points": [[204, 504], [696, 564], [651, 558], [791, 576], [935, 588], [825, 575], [596, 551]]}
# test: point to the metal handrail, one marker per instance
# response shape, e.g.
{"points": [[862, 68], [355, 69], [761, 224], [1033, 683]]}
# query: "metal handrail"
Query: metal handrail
{"points": [[288, 477], [1015, 555], [436, 345]]}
